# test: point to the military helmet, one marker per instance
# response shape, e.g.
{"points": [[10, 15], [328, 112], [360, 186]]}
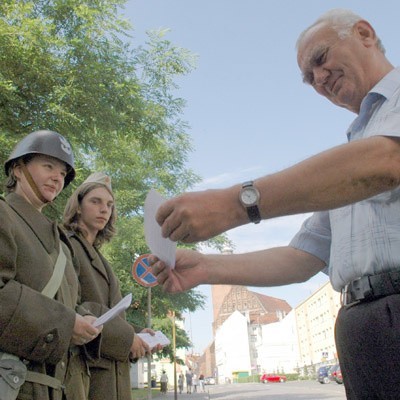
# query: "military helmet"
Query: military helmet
{"points": [[45, 142]]}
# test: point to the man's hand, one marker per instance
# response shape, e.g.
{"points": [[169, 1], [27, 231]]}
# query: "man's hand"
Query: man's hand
{"points": [[189, 271], [197, 216]]}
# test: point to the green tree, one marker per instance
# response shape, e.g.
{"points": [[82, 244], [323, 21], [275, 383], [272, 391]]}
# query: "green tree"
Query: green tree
{"points": [[69, 66]]}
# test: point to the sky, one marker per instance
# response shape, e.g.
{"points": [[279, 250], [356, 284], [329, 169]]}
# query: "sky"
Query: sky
{"points": [[248, 110]]}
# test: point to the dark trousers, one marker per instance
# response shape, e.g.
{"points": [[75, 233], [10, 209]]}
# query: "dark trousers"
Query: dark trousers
{"points": [[368, 344], [163, 387]]}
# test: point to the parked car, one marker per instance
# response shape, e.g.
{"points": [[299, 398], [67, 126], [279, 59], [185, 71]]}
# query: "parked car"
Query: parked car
{"points": [[332, 372], [272, 378], [209, 380], [323, 374], [338, 376], [335, 374]]}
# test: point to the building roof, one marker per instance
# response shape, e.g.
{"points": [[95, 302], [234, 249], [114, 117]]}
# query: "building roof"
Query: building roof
{"points": [[260, 309], [272, 304]]}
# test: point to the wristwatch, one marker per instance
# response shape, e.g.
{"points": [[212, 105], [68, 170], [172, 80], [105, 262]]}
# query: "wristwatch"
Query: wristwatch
{"points": [[249, 196]]}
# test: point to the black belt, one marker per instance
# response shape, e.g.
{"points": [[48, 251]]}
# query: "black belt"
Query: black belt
{"points": [[371, 287]]}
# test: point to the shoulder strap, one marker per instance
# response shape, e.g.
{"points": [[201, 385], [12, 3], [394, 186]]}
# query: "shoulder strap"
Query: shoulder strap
{"points": [[43, 379], [54, 283]]}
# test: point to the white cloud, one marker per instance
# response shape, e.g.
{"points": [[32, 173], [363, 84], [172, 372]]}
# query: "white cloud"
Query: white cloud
{"points": [[229, 178], [268, 233]]}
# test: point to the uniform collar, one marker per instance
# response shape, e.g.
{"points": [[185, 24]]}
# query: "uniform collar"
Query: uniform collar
{"points": [[38, 222], [89, 249], [96, 259]]}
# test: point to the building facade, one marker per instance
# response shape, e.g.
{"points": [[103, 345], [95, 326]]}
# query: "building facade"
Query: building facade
{"points": [[232, 352], [277, 339], [278, 351], [315, 321], [237, 310]]}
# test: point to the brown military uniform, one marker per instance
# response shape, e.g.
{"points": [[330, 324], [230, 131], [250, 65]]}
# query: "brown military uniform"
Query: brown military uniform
{"points": [[100, 291], [32, 326]]}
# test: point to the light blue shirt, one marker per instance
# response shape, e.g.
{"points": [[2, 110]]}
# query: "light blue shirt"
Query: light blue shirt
{"points": [[362, 238]]}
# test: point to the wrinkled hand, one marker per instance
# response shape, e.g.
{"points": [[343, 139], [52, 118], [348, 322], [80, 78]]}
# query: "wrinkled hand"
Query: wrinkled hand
{"points": [[84, 331], [139, 348], [196, 216], [189, 271]]}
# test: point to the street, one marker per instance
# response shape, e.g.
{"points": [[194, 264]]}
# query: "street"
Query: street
{"points": [[298, 390]]}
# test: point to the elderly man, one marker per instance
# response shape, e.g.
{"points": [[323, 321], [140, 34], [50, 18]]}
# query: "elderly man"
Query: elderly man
{"points": [[353, 190]]}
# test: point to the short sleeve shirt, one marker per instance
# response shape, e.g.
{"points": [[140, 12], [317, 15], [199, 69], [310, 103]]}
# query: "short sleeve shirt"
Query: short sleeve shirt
{"points": [[362, 238]]}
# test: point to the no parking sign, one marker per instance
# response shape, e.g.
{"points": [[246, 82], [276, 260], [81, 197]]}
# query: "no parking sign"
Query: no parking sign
{"points": [[141, 272]]}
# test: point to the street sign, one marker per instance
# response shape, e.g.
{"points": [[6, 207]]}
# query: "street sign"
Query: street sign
{"points": [[141, 272]]}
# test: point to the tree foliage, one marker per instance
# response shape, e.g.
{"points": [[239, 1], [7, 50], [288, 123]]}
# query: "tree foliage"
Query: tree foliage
{"points": [[70, 66]]}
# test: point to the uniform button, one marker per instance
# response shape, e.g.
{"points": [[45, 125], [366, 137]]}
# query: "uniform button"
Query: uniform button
{"points": [[62, 364], [49, 338], [16, 379]]}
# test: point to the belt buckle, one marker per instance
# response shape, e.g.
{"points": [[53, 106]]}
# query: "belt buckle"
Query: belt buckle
{"points": [[343, 295], [360, 290], [344, 298]]}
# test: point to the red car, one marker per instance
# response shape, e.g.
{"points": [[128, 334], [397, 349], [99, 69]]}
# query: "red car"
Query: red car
{"points": [[339, 377], [272, 378]]}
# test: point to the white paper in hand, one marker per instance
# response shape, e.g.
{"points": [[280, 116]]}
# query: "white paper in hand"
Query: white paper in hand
{"points": [[113, 312], [152, 341], [163, 248]]}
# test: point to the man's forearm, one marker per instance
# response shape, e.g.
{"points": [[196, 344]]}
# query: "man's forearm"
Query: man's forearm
{"points": [[340, 176], [272, 267]]}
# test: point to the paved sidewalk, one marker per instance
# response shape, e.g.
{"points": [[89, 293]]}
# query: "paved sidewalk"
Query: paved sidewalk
{"points": [[184, 396]]}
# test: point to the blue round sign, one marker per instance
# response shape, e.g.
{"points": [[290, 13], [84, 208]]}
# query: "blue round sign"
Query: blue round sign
{"points": [[141, 272]]}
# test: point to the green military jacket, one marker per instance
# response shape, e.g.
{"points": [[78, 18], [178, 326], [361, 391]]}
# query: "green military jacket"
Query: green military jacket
{"points": [[110, 375], [32, 326]]}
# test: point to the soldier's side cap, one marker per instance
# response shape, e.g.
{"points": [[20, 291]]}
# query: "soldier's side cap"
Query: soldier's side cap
{"points": [[99, 177]]}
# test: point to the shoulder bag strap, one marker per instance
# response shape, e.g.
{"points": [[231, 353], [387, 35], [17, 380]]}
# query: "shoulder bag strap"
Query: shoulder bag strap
{"points": [[54, 283]]}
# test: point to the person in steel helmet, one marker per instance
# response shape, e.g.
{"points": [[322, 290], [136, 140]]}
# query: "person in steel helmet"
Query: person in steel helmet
{"points": [[45, 143], [39, 322]]}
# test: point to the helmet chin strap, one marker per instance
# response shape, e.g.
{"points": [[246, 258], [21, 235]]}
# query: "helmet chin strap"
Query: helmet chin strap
{"points": [[32, 183]]}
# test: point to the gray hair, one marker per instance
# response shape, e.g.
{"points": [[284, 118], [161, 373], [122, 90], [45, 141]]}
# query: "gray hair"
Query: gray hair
{"points": [[342, 21]]}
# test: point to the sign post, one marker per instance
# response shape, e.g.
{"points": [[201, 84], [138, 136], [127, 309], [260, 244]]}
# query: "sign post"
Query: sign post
{"points": [[174, 350], [142, 274], [149, 380]]}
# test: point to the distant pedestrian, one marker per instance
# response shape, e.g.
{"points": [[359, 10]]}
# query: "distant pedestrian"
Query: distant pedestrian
{"points": [[180, 383], [189, 380], [201, 383], [164, 382], [195, 383]]}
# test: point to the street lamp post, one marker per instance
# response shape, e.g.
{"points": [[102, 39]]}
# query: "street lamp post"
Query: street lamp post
{"points": [[174, 352]]}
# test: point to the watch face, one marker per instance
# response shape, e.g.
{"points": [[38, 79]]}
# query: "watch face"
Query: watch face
{"points": [[249, 196]]}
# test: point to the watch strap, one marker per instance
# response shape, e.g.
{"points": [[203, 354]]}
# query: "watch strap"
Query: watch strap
{"points": [[253, 211], [254, 214]]}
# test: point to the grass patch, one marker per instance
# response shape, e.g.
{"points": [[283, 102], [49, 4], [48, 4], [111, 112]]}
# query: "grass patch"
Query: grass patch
{"points": [[141, 394]]}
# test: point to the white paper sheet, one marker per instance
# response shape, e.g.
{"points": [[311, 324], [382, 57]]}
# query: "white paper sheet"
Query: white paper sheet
{"points": [[113, 312], [163, 248], [158, 338]]}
